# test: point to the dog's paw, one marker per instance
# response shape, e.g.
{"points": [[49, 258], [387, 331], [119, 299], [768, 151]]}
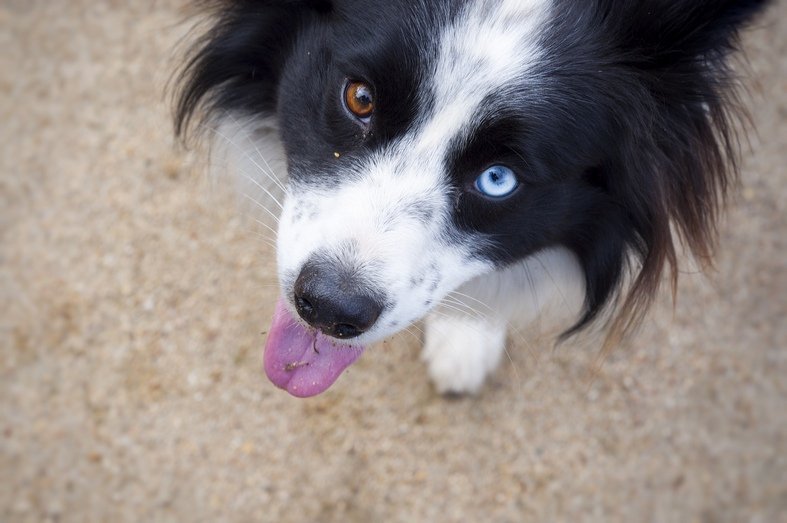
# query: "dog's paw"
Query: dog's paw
{"points": [[461, 351]]}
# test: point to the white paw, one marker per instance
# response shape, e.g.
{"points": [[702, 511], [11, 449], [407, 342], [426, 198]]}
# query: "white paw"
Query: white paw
{"points": [[461, 351]]}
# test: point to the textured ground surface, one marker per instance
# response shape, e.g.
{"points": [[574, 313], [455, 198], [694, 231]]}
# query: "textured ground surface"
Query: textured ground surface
{"points": [[133, 298]]}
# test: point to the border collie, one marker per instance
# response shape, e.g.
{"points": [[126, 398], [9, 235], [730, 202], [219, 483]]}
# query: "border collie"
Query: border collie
{"points": [[477, 163]]}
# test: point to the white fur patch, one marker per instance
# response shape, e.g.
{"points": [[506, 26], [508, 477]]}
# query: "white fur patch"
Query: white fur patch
{"points": [[491, 44], [461, 350]]}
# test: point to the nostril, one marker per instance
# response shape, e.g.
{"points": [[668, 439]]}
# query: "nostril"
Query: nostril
{"points": [[345, 330], [304, 307]]}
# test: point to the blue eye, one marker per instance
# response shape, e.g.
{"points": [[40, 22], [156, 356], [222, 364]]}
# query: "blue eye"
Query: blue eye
{"points": [[497, 182]]}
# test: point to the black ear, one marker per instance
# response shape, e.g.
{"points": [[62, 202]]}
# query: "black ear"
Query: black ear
{"points": [[674, 156], [663, 33], [236, 64]]}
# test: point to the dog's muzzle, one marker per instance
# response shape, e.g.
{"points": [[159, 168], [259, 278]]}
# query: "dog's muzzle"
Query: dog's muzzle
{"points": [[334, 300]]}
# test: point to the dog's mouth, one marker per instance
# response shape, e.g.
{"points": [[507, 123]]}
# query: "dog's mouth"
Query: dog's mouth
{"points": [[302, 360]]}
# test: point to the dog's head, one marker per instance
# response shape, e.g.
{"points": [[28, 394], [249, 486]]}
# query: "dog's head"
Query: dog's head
{"points": [[430, 142]]}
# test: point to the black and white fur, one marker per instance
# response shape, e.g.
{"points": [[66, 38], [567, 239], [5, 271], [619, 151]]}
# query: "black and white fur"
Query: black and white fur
{"points": [[616, 116]]}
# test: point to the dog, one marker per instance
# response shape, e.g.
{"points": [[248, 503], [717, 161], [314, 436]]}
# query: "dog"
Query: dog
{"points": [[474, 163]]}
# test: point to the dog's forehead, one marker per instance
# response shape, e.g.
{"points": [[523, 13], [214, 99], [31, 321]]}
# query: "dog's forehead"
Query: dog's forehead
{"points": [[485, 53]]}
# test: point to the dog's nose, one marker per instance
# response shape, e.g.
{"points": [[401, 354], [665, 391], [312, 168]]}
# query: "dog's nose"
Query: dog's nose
{"points": [[334, 302]]}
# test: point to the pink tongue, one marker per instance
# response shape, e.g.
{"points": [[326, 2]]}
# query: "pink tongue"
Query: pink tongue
{"points": [[300, 360]]}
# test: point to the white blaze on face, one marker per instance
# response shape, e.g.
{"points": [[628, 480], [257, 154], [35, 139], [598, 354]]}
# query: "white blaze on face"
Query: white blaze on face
{"points": [[390, 217], [488, 49]]}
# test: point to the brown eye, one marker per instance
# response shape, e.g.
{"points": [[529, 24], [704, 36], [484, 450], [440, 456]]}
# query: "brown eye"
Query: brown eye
{"points": [[359, 99]]}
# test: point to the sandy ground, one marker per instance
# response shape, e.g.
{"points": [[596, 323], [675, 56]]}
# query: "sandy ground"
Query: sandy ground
{"points": [[134, 300]]}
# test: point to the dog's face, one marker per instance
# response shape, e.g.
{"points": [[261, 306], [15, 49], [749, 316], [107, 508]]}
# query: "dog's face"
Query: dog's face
{"points": [[424, 153], [430, 142]]}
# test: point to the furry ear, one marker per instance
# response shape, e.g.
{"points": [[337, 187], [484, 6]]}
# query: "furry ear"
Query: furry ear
{"points": [[663, 33], [677, 147], [237, 62]]}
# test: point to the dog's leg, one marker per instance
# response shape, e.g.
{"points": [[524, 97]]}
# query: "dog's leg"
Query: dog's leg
{"points": [[461, 350], [466, 333]]}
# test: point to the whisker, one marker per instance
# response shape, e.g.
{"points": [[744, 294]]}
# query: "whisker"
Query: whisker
{"points": [[515, 368], [463, 295], [276, 218], [259, 153], [258, 184], [468, 312], [265, 239], [416, 327], [411, 333], [267, 227], [514, 332], [229, 140]]}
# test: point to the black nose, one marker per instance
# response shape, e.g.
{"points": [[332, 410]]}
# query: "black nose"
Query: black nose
{"points": [[335, 302]]}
